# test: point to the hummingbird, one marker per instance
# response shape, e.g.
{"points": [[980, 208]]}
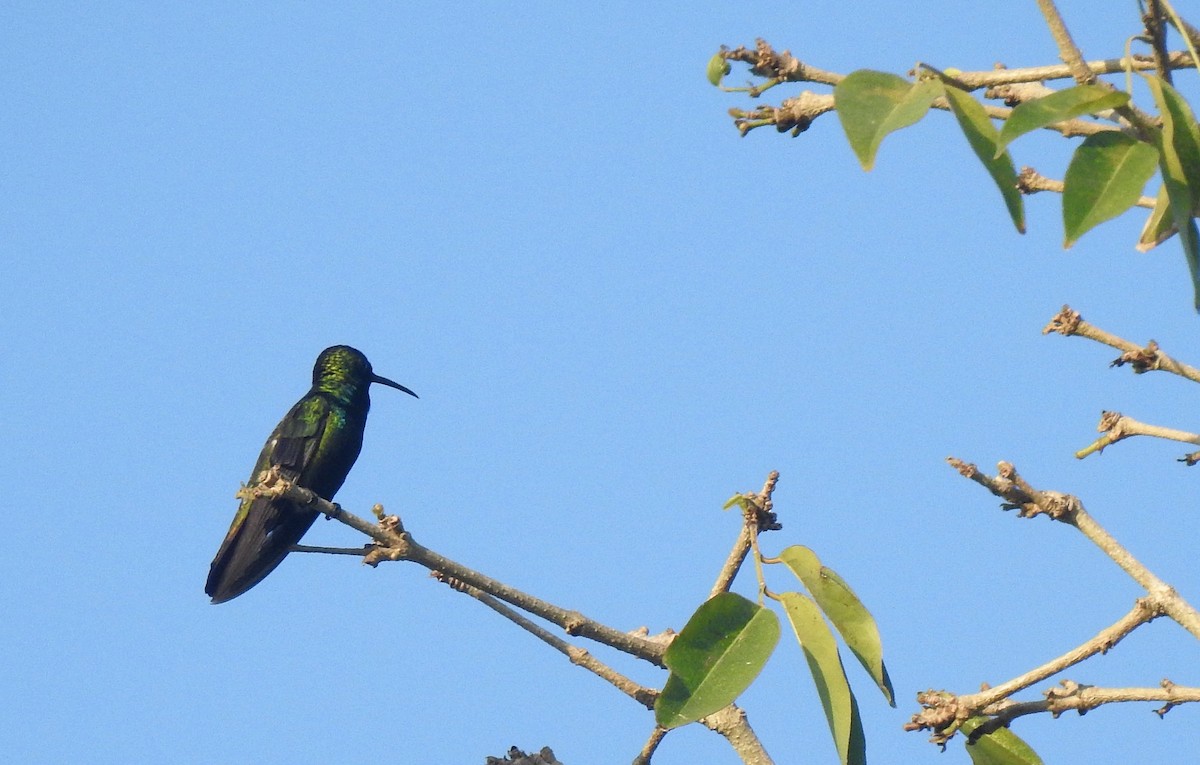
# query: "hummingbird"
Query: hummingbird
{"points": [[314, 446]]}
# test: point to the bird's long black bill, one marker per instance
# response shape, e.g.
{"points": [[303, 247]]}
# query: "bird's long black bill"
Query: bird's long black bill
{"points": [[392, 384]]}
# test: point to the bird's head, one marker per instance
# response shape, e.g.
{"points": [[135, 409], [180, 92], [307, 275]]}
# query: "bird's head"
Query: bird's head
{"points": [[345, 371]]}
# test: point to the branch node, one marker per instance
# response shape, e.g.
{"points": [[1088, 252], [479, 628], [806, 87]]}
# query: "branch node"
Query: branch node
{"points": [[574, 622], [1018, 495], [766, 63], [1142, 360], [379, 553], [940, 713], [965, 469], [389, 523], [758, 510], [1169, 687], [1065, 322]]}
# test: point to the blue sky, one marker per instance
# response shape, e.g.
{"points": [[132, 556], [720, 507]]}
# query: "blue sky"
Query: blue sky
{"points": [[616, 312]]}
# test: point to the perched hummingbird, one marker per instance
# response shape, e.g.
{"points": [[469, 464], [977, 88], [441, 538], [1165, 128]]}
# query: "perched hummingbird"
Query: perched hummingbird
{"points": [[314, 446]]}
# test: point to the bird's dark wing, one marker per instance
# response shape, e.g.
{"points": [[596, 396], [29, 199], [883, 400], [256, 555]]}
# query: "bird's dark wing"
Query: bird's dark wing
{"points": [[264, 530]]}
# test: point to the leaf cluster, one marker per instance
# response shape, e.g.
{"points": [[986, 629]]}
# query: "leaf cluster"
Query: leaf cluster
{"points": [[1123, 150], [728, 640]]}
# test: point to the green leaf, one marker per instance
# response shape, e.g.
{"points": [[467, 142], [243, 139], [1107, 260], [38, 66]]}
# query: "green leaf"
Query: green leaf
{"points": [[1180, 130], [1179, 159], [1189, 237], [1000, 747], [715, 657], [718, 67], [821, 652], [737, 500], [845, 610], [872, 104], [1160, 226], [1105, 178], [1056, 107], [982, 136]]}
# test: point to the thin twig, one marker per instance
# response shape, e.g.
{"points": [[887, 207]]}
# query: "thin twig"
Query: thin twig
{"points": [[656, 737], [797, 114], [1156, 30], [769, 64], [1068, 322], [1070, 696], [1081, 72], [578, 656], [357, 551], [996, 77], [1143, 612], [1067, 49], [733, 563], [756, 513], [766, 62], [399, 545], [1030, 181], [394, 543], [573, 622], [1017, 493], [942, 712], [1116, 427], [730, 722]]}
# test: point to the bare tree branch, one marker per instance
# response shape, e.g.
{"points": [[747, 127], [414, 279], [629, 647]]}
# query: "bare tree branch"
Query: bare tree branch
{"points": [[797, 113], [1068, 322], [393, 543], [1067, 49], [1156, 31], [578, 656], [1018, 494], [1116, 427], [651, 746], [1030, 181], [757, 516], [768, 63], [943, 712], [1143, 612]]}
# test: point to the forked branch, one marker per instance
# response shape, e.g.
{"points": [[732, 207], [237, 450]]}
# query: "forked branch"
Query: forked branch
{"points": [[797, 113], [393, 542], [942, 712]]}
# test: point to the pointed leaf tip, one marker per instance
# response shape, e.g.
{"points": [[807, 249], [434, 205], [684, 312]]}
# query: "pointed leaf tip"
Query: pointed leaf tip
{"points": [[1159, 225], [848, 614], [871, 104], [1105, 178], [983, 137], [825, 664]]}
